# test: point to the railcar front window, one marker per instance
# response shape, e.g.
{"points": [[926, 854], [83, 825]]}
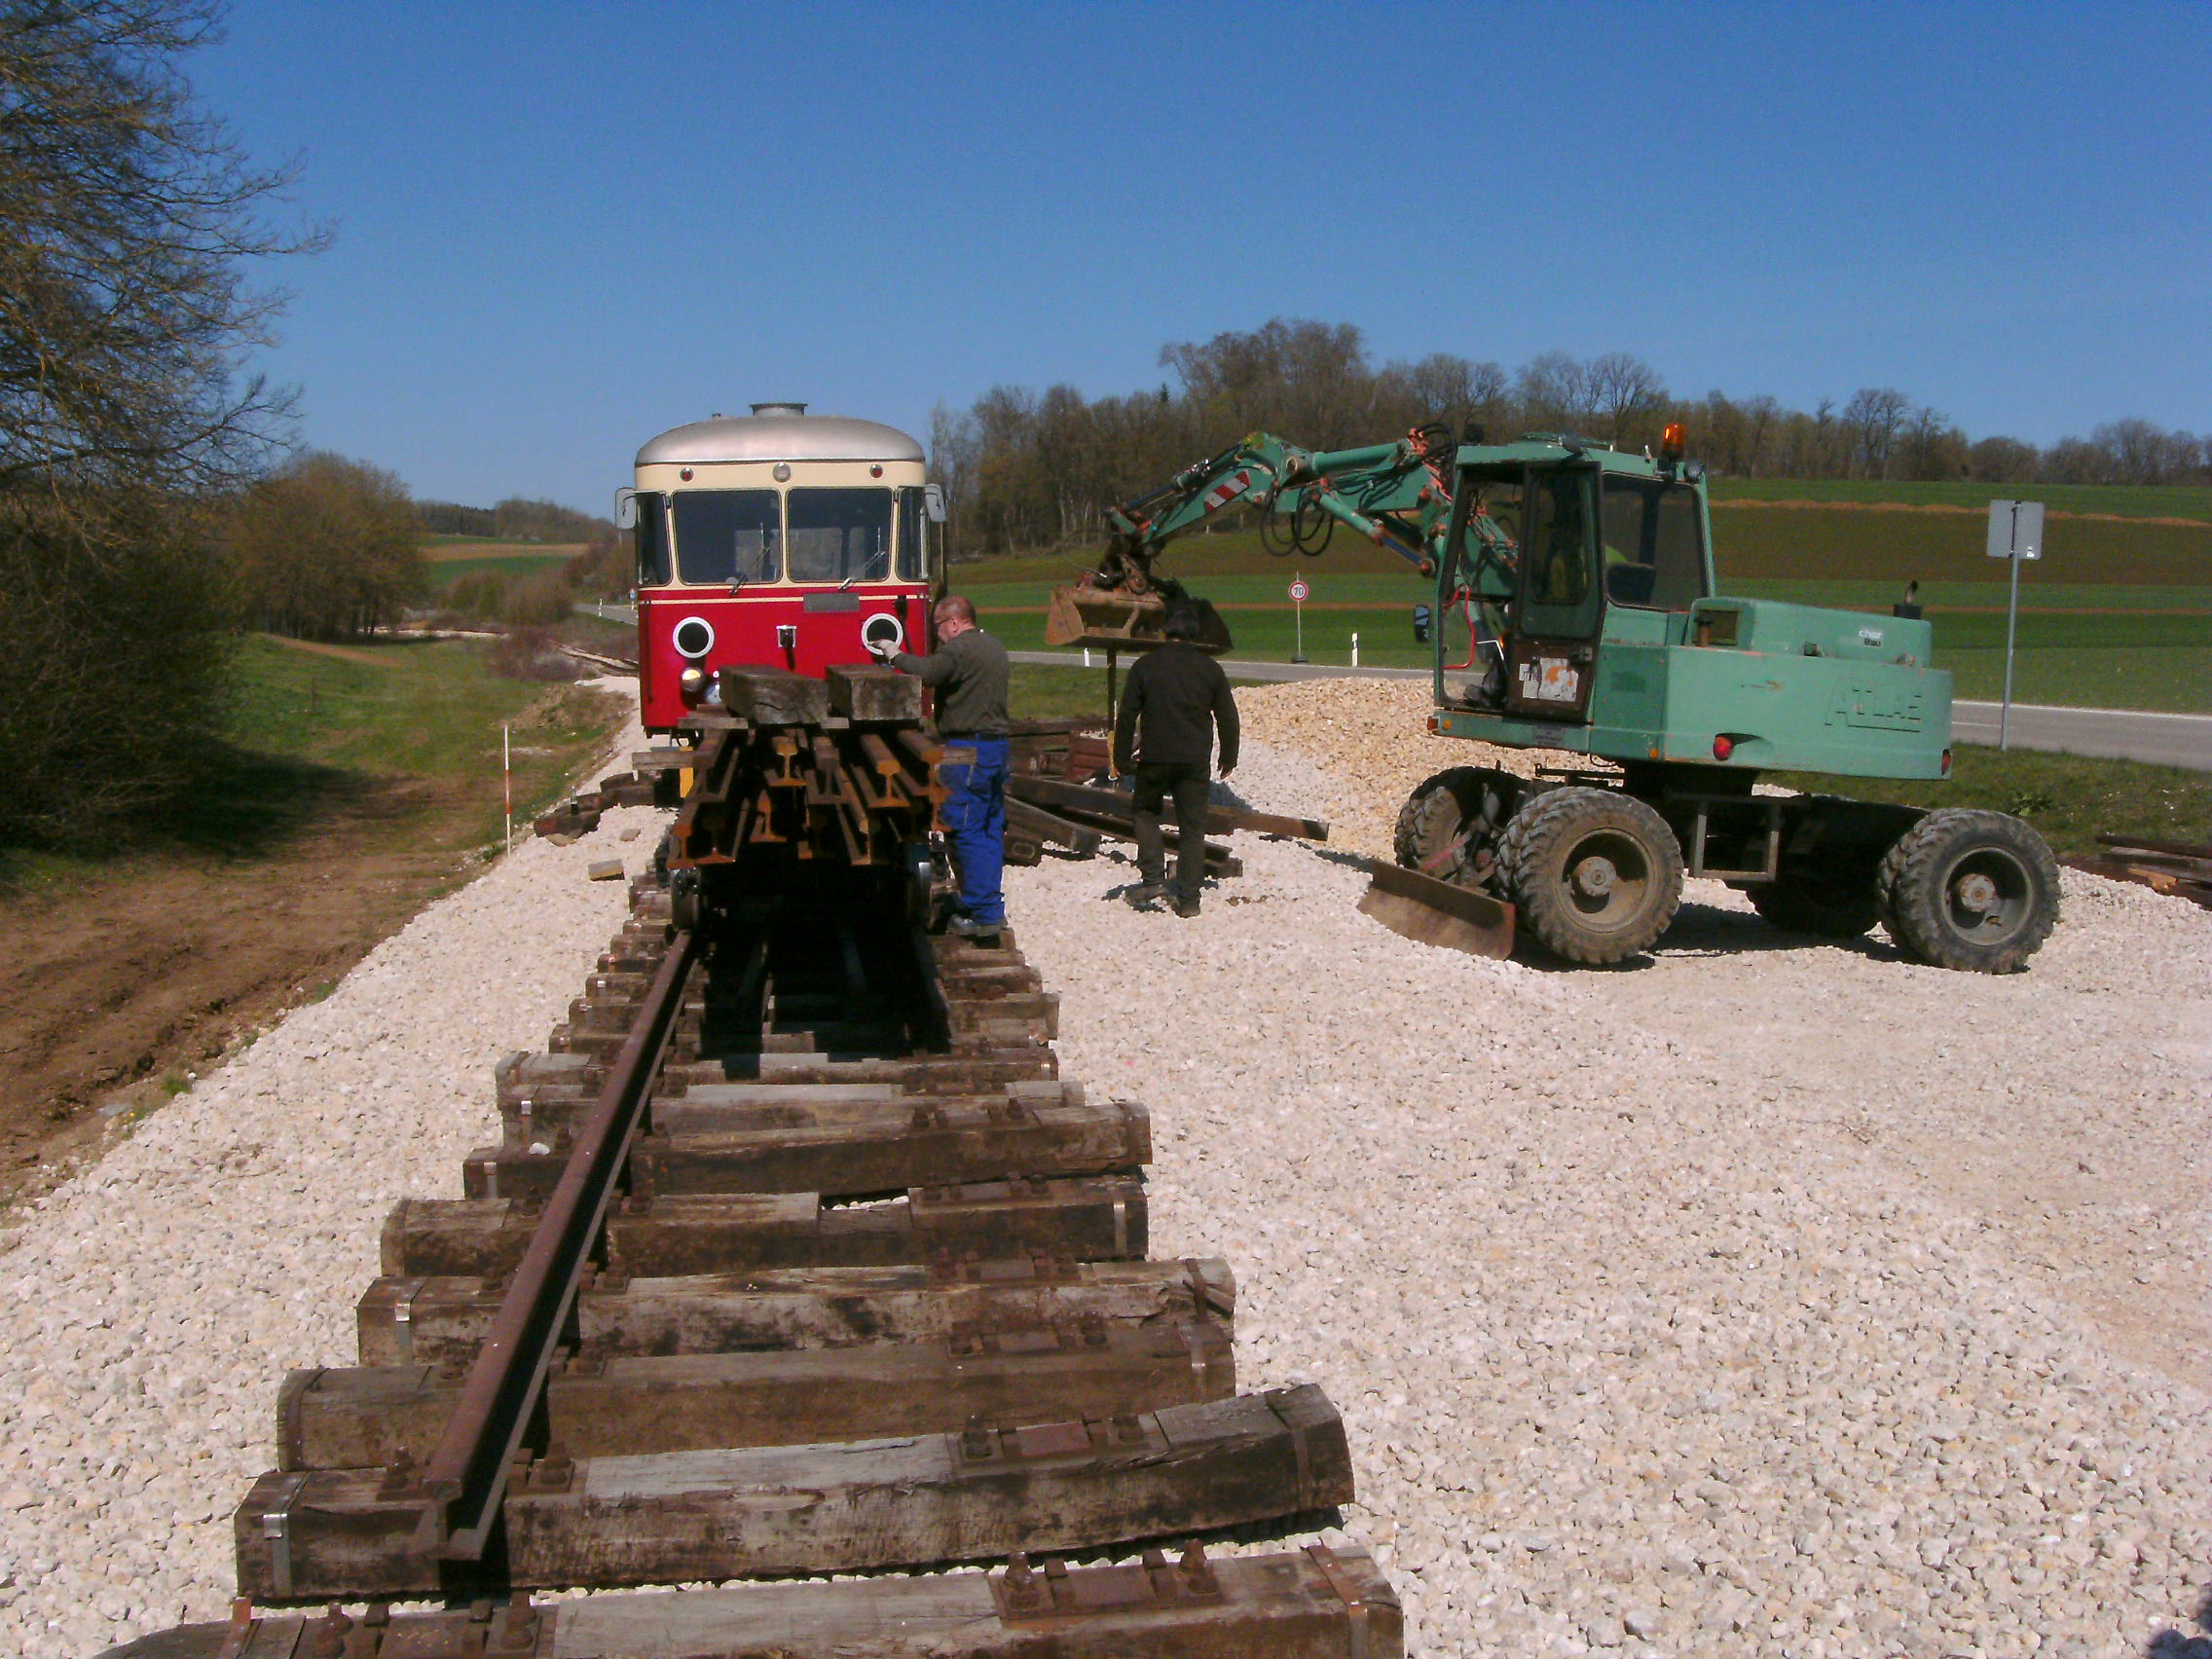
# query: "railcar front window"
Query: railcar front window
{"points": [[840, 535], [1654, 554], [724, 536]]}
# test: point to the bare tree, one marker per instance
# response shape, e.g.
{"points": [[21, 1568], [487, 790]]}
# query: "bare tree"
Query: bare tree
{"points": [[1872, 419], [1625, 393], [1555, 392], [128, 217]]}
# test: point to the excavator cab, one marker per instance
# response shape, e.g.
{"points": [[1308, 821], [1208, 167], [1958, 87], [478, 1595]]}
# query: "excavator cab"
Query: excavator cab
{"points": [[1554, 545]]}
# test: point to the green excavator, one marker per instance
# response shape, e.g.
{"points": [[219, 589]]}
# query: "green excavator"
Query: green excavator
{"points": [[1594, 628]]}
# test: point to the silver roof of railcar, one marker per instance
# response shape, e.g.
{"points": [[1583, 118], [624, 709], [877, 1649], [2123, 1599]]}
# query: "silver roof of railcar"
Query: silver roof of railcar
{"points": [[779, 432]]}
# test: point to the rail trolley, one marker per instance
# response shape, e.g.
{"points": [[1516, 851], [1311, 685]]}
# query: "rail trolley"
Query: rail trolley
{"points": [[776, 540]]}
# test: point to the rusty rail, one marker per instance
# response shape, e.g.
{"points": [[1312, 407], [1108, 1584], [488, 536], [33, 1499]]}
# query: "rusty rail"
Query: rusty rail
{"points": [[469, 1470]]}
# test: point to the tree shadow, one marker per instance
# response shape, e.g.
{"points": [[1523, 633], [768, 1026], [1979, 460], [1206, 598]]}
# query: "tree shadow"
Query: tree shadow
{"points": [[243, 803], [237, 803]]}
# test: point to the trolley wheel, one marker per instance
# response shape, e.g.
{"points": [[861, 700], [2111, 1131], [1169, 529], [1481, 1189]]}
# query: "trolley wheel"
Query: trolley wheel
{"points": [[1970, 890], [684, 909], [1595, 875]]}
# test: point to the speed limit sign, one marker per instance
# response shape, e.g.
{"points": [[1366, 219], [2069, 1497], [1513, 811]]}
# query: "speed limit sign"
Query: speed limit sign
{"points": [[1298, 593]]}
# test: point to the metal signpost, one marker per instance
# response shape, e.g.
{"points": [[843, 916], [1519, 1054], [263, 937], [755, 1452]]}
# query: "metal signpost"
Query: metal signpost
{"points": [[1298, 592], [2015, 533]]}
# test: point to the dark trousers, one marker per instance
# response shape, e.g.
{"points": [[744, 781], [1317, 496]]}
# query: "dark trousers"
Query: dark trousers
{"points": [[974, 823], [1187, 782]]}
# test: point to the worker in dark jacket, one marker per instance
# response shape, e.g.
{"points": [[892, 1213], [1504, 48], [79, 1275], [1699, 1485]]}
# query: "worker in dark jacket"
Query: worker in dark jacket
{"points": [[968, 670], [1177, 697]]}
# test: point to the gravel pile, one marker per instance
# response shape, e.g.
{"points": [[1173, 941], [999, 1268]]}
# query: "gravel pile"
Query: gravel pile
{"points": [[1679, 1310], [1370, 745], [153, 1303]]}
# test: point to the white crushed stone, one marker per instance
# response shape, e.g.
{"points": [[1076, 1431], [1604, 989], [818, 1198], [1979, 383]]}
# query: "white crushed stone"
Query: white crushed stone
{"points": [[1694, 1308], [152, 1304]]}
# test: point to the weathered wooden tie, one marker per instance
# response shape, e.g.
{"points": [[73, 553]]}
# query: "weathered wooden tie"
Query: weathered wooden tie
{"points": [[600, 1406], [907, 1501], [440, 1320], [1309, 1603], [931, 1143], [1089, 1218]]}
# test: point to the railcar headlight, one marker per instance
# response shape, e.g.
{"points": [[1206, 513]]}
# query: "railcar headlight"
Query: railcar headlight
{"points": [[694, 683]]}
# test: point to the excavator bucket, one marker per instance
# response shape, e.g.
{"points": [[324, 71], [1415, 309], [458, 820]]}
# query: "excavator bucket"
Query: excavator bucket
{"points": [[1116, 619], [1437, 912]]}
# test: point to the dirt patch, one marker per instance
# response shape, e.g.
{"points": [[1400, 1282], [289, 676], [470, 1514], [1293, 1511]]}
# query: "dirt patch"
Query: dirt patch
{"points": [[344, 654], [115, 991]]}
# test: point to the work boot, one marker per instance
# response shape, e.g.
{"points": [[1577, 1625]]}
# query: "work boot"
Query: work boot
{"points": [[1185, 904], [1145, 894], [975, 932]]}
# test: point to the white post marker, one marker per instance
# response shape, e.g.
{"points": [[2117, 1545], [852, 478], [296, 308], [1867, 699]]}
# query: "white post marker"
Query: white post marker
{"points": [[1298, 592], [2015, 533], [508, 778], [1355, 648]]}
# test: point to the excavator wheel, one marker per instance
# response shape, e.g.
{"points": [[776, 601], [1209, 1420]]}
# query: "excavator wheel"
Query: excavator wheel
{"points": [[1595, 875], [1970, 889], [1449, 825]]}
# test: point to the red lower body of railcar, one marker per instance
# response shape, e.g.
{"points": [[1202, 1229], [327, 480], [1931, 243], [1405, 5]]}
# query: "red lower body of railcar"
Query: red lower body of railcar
{"points": [[806, 630]]}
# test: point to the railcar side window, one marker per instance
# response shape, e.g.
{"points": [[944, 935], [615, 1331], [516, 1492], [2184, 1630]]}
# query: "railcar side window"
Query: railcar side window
{"points": [[912, 528], [651, 536], [728, 534], [1653, 553], [840, 535]]}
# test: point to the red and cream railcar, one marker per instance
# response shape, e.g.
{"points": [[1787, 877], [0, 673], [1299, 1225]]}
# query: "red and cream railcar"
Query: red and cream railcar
{"points": [[776, 540]]}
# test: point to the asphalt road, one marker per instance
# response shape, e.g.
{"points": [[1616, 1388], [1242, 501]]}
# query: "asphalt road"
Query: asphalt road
{"points": [[2112, 734]]}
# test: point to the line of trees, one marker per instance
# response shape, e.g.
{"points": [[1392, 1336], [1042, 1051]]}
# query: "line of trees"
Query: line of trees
{"points": [[515, 519], [1031, 470]]}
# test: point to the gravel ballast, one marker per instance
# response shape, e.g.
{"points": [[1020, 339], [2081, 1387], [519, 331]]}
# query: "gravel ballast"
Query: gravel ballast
{"points": [[1776, 1298], [1772, 1297]]}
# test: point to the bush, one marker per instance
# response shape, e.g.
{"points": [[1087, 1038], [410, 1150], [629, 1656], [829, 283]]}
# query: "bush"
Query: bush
{"points": [[530, 653], [538, 601], [114, 646], [326, 547], [478, 598]]}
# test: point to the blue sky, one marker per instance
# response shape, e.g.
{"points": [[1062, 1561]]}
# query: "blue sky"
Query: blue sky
{"points": [[562, 228]]}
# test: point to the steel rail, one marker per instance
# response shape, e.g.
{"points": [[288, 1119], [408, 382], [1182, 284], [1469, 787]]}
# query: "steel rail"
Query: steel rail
{"points": [[469, 1470]]}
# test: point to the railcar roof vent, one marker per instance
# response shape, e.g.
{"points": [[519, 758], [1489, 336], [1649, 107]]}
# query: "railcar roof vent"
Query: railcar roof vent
{"points": [[779, 409]]}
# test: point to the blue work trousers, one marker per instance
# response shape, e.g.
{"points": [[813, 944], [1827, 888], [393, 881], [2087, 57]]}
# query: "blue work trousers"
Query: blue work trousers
{"points": [[974, 823]]}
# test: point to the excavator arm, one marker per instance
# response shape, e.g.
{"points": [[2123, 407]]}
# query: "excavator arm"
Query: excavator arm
{"points": [[1396, 495]]}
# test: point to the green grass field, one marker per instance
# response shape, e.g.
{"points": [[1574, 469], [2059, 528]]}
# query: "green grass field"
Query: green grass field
{"points": [[2118, 615], [516, 567], [399, 740], [2127, 500], [409, 709], [2070, 798]]}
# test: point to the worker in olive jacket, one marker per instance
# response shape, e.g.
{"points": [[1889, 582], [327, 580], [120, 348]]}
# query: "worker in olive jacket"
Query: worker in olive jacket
{"points": [[968, 670], [1177, 697]]}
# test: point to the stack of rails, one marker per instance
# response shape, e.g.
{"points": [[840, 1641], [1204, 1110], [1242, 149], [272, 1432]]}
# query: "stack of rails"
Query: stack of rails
{"points": [[796, 1256], [2179, 869]]}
